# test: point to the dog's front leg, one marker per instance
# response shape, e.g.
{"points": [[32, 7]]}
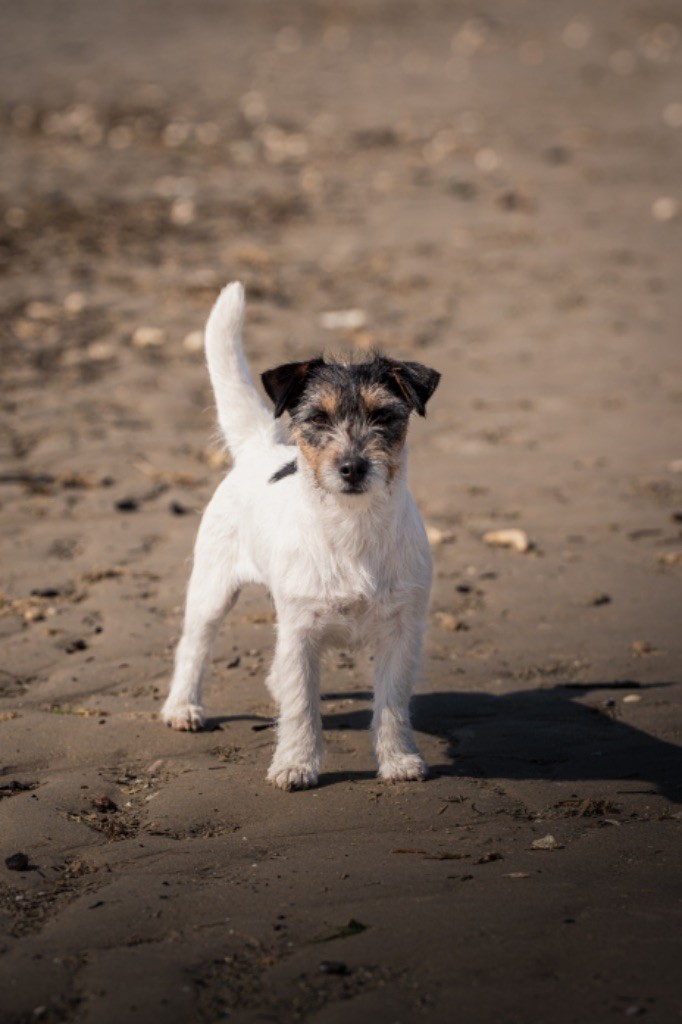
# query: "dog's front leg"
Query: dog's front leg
{"points": [[396, 662], [295, 684], [213, 589]]}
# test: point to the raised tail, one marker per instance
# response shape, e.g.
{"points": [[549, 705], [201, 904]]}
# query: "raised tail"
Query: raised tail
{"points": [[242, 414]]}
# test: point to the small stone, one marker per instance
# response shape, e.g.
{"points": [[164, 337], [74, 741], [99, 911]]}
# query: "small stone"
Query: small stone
{"points": [[665, 208], [193, 342], [333, 967], [547, 842], [75, 645], [100, 351], [514, 538], [148, 337], [600, 599], [669, 558], [17, 862], [178, 509], [437, 537], [486, 160], [183, 212], [641, 648], [74, 303], [127, 505], [450, 622], [104, 804], [488, 858], [632, 698]]}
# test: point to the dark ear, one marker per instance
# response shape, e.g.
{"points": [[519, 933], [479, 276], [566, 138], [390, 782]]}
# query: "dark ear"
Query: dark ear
{"points": [[285, 384], [412, 382]]}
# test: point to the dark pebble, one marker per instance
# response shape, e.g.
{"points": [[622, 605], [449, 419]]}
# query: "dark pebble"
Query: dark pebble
{"points": [[17, 862], [177, 509], [76, 645], [127, 505], [600, 599], [333, 967], [45, 592], [16, 787], [104, 803], [463, 588]]}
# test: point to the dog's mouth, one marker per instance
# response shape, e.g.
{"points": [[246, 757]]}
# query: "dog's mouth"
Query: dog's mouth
{"points": [[356, 489]]}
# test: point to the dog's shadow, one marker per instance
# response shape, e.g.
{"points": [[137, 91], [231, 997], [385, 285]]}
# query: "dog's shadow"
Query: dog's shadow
{"points": [[542, 734]]}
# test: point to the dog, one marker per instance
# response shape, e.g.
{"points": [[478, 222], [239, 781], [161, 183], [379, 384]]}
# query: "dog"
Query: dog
{"points": [[328, 524]]}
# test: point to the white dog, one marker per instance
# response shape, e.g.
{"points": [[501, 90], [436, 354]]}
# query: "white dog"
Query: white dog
{"points": [[328, 525]]}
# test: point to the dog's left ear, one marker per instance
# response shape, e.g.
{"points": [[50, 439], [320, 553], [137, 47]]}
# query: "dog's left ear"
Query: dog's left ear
{"points": [[412, 382], [285, 384]]}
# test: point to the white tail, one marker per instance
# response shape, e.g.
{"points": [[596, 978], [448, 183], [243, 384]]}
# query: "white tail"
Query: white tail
{"points": [[242, 414]]}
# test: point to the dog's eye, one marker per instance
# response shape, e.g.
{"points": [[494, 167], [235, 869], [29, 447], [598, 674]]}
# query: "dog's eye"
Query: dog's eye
{"points": [[383, 417], [319, 419]]}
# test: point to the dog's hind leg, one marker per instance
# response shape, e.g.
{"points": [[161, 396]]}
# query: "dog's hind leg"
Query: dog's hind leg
{"points": [[213, 589]]}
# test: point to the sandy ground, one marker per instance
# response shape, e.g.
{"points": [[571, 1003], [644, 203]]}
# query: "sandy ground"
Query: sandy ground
{"points": [[497, 189]]}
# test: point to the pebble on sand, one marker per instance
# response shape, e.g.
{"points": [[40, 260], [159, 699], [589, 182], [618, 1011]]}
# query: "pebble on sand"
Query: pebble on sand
{"points": [[640, 648], [148, 337], [436, 537], [665, 208], [669, 558], [511, 538], [17, 862], [193, 342], [547, 842]]}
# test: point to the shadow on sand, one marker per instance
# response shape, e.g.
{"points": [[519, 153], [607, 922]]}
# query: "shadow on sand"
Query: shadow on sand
{"points": [[543, 734]]}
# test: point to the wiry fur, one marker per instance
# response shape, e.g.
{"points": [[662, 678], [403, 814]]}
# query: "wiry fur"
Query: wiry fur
{"points": [[345, 557]]}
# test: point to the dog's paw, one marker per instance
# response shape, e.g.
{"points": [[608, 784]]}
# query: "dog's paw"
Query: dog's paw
{"points": [[292, 776], [404, 768], [184, 717]]}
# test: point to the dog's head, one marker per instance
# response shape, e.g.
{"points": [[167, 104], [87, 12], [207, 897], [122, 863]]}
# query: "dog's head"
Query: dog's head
{"points": [[349, 420]]}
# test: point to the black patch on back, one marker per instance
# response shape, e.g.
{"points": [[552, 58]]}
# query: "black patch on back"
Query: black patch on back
{"points": [[286, 470]]}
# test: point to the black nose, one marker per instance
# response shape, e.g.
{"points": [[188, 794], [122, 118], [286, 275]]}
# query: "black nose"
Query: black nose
{"points": [[354, 470]]}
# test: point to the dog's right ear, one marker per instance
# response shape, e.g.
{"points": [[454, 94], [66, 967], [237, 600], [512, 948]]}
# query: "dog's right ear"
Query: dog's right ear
{"points": [[285, 384]]}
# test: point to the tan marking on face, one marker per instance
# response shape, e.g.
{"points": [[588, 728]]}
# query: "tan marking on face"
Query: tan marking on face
{"points": [[388, 454], [321, 459], [373, 396], [329, 401]]}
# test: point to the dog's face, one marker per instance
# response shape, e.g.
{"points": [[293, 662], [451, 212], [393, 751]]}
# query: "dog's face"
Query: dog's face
{"points": [[350, 420]]}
